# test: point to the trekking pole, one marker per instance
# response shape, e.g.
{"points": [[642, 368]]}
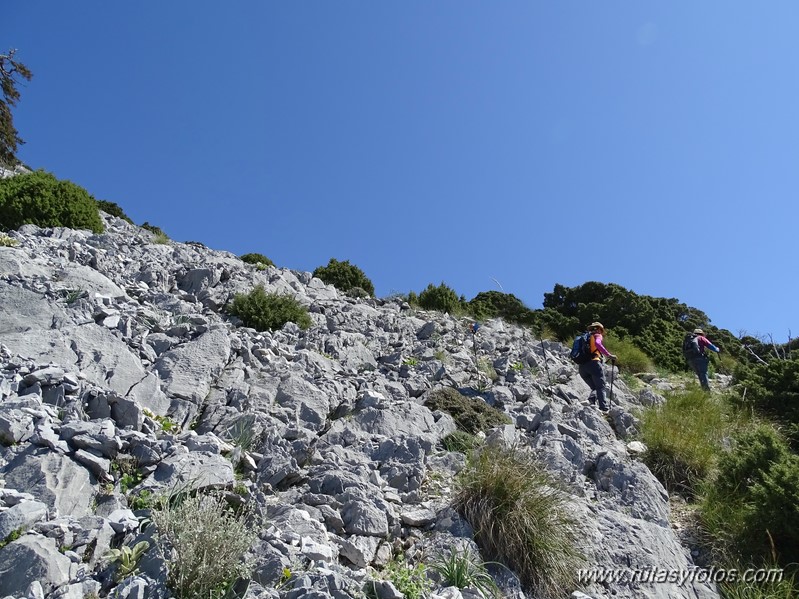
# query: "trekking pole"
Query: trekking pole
{"points": [[544, 353], [612, 372]]}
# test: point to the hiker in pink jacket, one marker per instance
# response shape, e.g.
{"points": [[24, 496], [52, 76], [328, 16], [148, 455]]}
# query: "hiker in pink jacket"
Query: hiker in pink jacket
{"points": [[693, 349], [591, 372]]}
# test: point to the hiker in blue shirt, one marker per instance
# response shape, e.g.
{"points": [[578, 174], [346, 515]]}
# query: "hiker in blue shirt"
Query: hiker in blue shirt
{"points": [[693, 349]]}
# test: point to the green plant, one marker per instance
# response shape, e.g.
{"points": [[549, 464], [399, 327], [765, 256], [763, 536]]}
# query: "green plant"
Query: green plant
{"points": [[357, 292], [153, 229], [206, 540], [751, 505], [127, 472], [8, 242], [268, 311], [243, 433], [160, 239], [462, 569], [410, 361], [113, 209], [441, 356], [684, 437], [460, 441], [143, 501], [470, 414], [72, 295], [39, 198], [409, 580], [442, 298], [629, 358], [127, 558], [167, 424], [10, 71], [285, 577], [344, 276], [521, 518], [486, 368], [12, 536], [256, 259], [773, 587], [517, 366]]}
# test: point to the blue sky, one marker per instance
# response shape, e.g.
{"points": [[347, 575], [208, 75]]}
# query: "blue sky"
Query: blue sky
{"points": [[490, 145]]}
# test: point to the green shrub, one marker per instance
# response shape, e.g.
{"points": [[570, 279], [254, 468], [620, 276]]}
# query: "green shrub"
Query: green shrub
{"points": [[113, 209], [684, 437], [268, 311], [205, 540], [40, 199], [629, 358], [772, 390], [255, 258], [751, 505], [7, 241], [471, 414], [442, 298], [344, 276], [521, 519], [358, 292], [409, 580], [493, 304], [157, 231]]}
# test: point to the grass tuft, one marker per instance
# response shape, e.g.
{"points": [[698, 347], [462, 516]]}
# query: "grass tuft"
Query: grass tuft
{"points": [[521, 519]]}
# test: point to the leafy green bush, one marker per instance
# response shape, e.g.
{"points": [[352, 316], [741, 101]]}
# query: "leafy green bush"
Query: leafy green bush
{"points": [[40, 199], [442, 298], [344, 276], [268, 311], [629, 358], [113, 209], [470, 414], [521, 519], [7, 241], [684, 437], [205, 540], [256, 258], [157, 231], [772, 390], [494, 304], [751, 505]]}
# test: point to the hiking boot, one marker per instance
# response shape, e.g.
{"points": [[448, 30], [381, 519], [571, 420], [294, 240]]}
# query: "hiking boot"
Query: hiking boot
{"points": [[604, 410]]}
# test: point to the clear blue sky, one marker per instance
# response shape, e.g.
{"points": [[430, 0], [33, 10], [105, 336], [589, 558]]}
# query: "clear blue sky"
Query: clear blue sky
{"points": [[483, 144]]}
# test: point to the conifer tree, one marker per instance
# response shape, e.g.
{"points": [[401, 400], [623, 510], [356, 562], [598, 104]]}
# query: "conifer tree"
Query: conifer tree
{"points": [[12, 72]]}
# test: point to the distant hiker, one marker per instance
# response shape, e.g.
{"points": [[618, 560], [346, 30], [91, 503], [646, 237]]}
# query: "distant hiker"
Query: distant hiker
{"points": [[693, 348], [591, 370]]}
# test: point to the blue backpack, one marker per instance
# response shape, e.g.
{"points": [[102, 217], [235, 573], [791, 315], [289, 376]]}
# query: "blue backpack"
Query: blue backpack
{"points": [[581, 349]]}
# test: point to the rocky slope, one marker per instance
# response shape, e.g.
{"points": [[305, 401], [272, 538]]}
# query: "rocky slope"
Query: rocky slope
{"points": [[114, 350]]}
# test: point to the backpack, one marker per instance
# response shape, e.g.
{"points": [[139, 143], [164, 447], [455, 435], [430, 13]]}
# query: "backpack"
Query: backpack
{"points": [[581, 349], [690, 347]]}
